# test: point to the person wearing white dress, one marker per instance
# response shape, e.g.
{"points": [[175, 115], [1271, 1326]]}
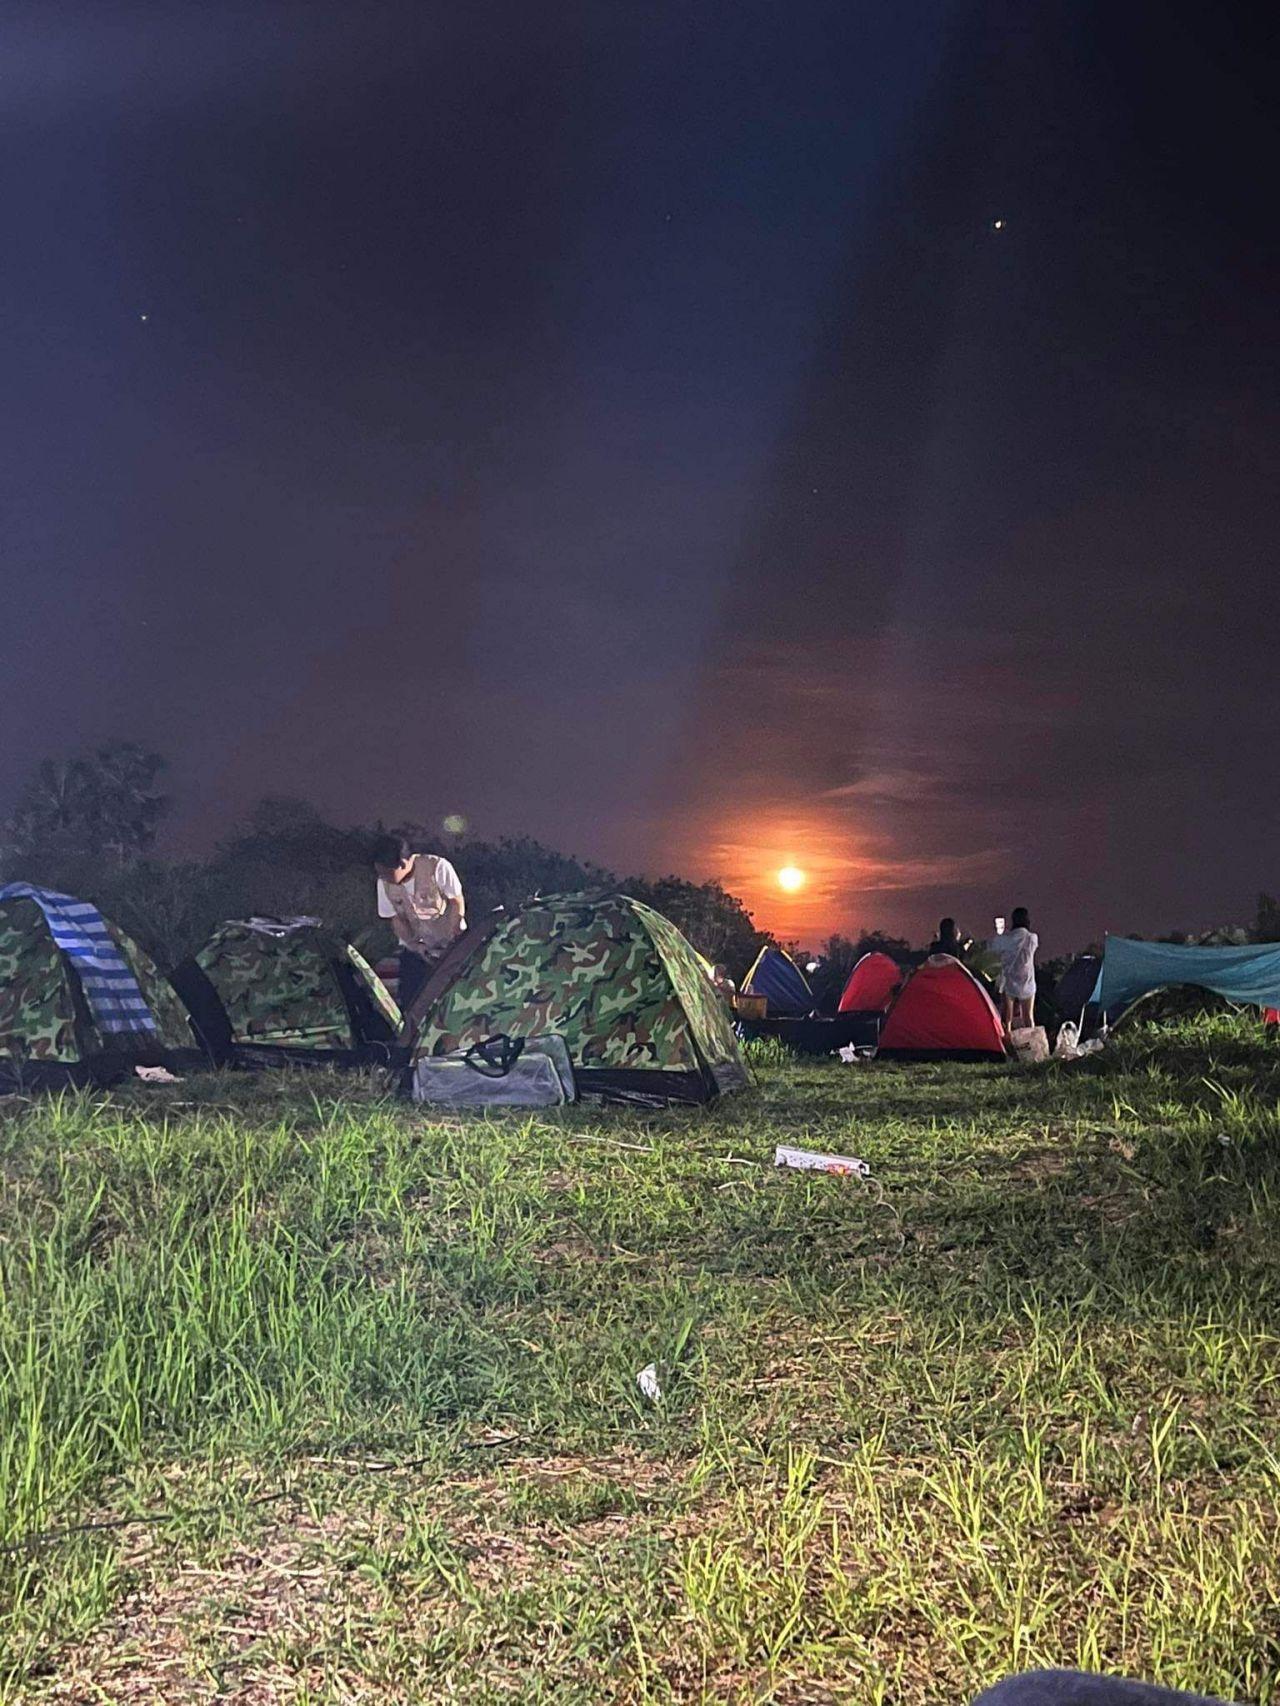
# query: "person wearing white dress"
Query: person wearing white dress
{"points": [[1017, 951]]}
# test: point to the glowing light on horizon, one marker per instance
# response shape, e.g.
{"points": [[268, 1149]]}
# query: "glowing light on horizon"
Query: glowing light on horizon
{"points": [[791, 878]]}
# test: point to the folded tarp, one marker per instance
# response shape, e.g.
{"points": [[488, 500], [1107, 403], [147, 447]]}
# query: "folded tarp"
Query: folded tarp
{"points": [[1130, 969]]}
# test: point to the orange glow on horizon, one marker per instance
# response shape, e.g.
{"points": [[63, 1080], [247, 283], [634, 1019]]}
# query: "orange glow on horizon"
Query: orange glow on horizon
{"points": [[794, 871], [853, 872]]}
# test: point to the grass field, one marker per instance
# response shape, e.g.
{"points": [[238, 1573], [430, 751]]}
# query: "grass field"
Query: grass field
{"points": [[366, 1387]]}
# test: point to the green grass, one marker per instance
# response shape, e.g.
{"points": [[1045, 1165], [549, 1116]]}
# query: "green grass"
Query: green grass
{"points": [[371, 1381]]}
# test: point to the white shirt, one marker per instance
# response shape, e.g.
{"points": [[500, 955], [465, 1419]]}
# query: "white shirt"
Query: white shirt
{"points": [[1017, 951], [421, 901]]}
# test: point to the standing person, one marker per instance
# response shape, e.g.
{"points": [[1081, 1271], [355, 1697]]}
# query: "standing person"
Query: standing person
{"points": [[421, 894], [949, 940], [1017, 951]]}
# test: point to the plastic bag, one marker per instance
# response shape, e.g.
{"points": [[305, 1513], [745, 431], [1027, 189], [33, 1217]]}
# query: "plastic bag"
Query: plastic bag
{"points": [[1030, 1044], [1067, 1046]]}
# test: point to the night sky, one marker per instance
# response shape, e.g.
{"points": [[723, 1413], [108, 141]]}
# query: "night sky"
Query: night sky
{"points": [[702, 435]]}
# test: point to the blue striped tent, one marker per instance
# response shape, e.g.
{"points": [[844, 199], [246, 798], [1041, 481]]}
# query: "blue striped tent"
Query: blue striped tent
{"points": [[80, 1003]]}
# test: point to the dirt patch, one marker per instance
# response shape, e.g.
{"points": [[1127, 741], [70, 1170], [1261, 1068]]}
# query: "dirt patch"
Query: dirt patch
{"points": [[306, 1601], [191, 1632], [1037, 1165]]}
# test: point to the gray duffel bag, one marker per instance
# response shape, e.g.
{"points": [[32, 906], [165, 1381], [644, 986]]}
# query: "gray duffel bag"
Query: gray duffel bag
{"points": [[501, 1072]]}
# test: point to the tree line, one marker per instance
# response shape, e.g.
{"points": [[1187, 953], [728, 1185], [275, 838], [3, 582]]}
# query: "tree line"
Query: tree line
{"points": [[88, 825]]}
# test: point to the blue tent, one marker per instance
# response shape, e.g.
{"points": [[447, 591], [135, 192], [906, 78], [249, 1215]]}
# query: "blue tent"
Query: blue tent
{"points": [[1130, 969], [778, 978]]}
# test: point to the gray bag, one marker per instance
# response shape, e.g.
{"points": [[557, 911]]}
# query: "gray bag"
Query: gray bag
{"points": [[503, 1072]]}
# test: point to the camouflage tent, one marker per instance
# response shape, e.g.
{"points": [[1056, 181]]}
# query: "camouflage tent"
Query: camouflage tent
{"points": [[49, 1037], [615, 979], [268, 990]]}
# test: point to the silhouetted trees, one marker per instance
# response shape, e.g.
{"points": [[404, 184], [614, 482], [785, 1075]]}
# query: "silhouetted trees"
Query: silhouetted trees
{"points": [[506, 872], [103, 805], [839, 954], [715, 921], [86, 826]]}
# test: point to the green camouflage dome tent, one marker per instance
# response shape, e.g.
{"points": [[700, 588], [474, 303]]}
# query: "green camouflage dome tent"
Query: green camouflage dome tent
{"points": [[616, 980], [57, 1027], [266, 991]]}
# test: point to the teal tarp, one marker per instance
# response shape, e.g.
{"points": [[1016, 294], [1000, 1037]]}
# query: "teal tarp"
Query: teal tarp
{"points": [[1130, 969]]}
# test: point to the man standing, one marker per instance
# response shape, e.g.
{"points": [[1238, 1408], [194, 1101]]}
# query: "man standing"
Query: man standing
{"points": [[421, 895]]}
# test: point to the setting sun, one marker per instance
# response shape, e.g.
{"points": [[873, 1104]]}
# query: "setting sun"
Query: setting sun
{"points": [[791, 878]]}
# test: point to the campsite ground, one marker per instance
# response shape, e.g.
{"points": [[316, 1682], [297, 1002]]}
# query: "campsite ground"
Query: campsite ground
{"points": [[369, 1386]]}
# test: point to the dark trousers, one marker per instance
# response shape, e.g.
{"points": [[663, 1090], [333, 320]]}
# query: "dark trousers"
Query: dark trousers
{"points": [[414, 972], [1075, 1688]]}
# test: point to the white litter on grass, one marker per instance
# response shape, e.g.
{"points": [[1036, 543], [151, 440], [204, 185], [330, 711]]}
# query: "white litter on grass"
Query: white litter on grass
{"points": [[156, 1075], [647, 1381], [811, 1161], [852, 1053], [1075, 1050]]}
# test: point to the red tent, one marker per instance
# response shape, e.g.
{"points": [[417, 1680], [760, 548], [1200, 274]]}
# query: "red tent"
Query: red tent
{"points": [[943, 1013], [871, 985]]}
